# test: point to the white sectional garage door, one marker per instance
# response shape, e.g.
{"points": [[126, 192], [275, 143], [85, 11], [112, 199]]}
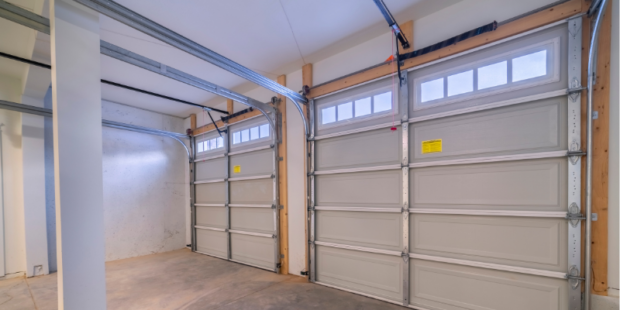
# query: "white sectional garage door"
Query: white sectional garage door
{"points": [[459, 195], [235, 194]]}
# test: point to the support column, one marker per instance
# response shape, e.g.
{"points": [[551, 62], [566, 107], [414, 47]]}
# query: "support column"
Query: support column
{"points": [[35, 221], [283, 180], [78, 176]]}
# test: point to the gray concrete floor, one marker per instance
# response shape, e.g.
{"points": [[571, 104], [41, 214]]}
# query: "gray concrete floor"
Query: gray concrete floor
{"points": [[189, 281]]}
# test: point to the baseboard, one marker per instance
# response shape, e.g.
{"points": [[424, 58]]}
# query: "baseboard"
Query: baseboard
{"points": [[604, 303]]}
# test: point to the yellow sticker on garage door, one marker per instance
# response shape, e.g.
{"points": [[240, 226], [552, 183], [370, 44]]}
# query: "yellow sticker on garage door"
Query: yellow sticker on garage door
{"points": [[431, 146], [236, 169]]}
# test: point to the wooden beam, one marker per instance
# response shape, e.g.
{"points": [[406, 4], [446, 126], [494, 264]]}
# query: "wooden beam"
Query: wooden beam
{"points": [[550, 15], [192, 121], [230, 106], [306, 77], [283, 182], [600, 147], [407, 30]]}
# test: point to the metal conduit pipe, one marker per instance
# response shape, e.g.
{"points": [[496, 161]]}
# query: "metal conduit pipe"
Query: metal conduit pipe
{"points": [[24, 108], [591, 81]]}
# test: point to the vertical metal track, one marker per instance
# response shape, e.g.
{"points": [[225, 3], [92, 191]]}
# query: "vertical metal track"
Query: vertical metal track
{"points": [[574, 162], [276, 188], [192, 191], [311, 195], [403, 101], [227, 190]]}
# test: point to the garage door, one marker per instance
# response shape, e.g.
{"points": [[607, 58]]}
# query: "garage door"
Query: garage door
{"points": [[460, 188], [235, 215]]}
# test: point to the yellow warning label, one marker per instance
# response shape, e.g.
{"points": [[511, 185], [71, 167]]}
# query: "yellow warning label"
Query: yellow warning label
{"points": [[236, 169], [431, 146]]}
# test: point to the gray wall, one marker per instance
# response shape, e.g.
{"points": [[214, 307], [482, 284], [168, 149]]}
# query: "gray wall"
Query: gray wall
{"points": [[144, 185]]}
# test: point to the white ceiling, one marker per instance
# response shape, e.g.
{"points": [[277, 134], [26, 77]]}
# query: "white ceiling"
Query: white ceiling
{"points": [[261, 35]]}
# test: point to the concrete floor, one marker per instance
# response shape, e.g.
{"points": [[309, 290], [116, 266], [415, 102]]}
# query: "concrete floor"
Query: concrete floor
{"points": [[189, 281]]}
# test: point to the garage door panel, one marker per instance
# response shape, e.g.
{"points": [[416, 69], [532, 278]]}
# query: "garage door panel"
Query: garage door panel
{"points": [[211, 193], [253, 250], [251, 192], [451, 287], [252, 219], [374, 189], [375, 274], [212, 242], [528, 128], [251, 164], [535, 185], [374, 230], [374, 148], [539, 243], [211, 169], [211, 217]]}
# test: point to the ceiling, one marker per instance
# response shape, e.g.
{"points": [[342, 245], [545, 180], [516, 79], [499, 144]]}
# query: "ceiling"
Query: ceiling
{"points": [[271, 37]]}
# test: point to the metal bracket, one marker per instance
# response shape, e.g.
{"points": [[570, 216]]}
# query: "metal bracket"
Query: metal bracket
{"points": [[574, 156], [575, 89], [574, 215], [573, 277], [405, 255]]}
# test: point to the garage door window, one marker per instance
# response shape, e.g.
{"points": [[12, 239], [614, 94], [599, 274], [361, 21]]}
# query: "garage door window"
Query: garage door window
{"points": [[210, 145], [533, 65], [375, 104], [259, 132]]}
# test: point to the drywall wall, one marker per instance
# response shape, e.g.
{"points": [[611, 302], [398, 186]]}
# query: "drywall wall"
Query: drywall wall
{"points": [[296, 169], [144, 184], [12, 202]]}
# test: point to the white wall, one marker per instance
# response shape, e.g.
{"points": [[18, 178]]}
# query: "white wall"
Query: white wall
{"points": [[296, 168], [144, 184], [12, 200]]}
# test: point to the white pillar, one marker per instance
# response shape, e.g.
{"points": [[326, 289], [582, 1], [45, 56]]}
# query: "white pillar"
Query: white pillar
{"points": [[33, 159], [76, 94]]}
